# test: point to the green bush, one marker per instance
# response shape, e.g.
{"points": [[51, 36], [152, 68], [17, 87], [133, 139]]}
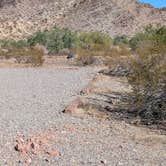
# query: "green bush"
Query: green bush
{"points": [[118, 40], [150, 33], [55, 39], [8, 43], [63, 41], [38, 38], [91, 44], [148, 74], [87, 39]]}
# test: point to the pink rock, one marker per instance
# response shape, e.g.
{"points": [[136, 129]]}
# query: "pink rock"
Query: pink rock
{"points": [[72, 108], [53, 153]]}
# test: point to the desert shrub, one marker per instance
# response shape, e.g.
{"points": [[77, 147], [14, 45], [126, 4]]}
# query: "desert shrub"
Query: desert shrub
{"points": [[64, 51], [35, 56], [148, 75], [113, 55], [118, 55], [150, 33], [91, 45], [85, 56], [94, 38], [38, 38], [27, 55], [8, 43], [54, 40], [21, 52], [20, 44], [146, 72], [118, 40]]}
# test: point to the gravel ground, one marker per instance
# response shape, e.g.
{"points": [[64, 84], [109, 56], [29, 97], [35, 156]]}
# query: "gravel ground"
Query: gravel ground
{"points": [[32, 100]]}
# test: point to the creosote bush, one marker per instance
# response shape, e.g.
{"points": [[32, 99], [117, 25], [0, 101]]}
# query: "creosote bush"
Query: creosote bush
{"points": [[148, 75], [144, 59]]}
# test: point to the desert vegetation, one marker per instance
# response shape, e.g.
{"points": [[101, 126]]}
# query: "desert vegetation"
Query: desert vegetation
{"points": [[148, 71], [55, 40], [83, 82], [144, 61], [22, 52], [141, 58], [29, 55], [32, 49], [91, 45]]}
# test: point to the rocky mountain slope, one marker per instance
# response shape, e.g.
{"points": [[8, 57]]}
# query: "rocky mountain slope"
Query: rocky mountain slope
{"points": [[20, 18]]}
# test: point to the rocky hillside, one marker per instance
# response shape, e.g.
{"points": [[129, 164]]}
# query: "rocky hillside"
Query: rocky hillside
{"points": [[20, 18]]}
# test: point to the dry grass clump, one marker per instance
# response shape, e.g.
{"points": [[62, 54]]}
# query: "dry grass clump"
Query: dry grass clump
{"points": [[28, 55], [84, 57], [118, 56], [113, 55]]}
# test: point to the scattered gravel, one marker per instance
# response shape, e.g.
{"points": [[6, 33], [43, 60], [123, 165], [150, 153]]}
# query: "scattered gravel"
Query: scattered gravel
{"points": [[31, 102], [33, 99]]}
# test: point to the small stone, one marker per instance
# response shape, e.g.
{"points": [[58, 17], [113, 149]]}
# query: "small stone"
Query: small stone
{"points": [[103, 162], [32, 145], [47, 160], [53, 153], [16, 147]]}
